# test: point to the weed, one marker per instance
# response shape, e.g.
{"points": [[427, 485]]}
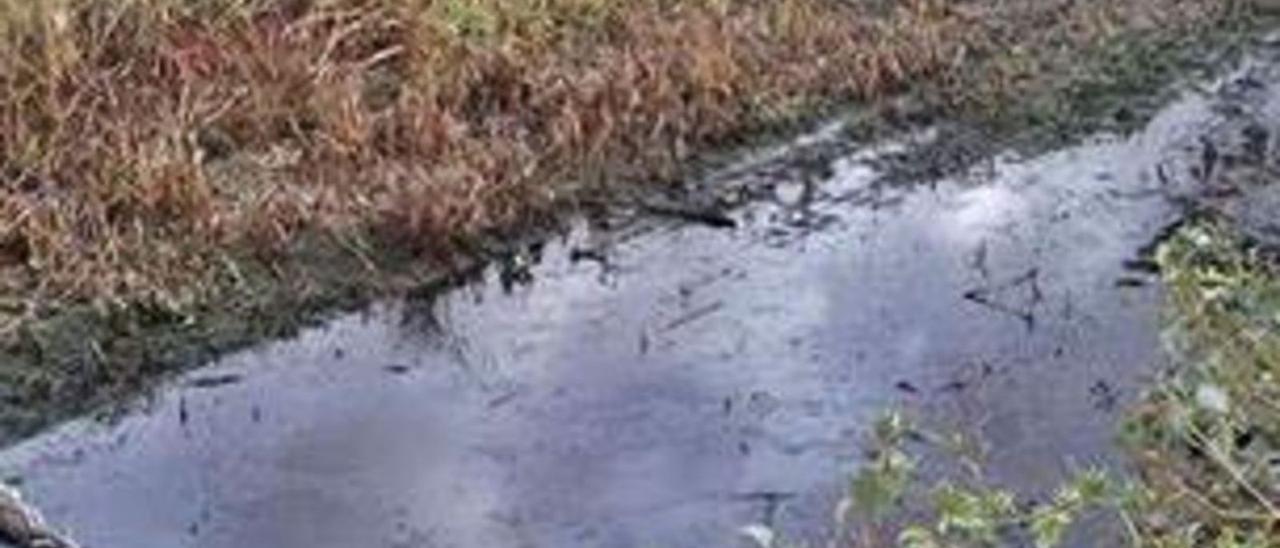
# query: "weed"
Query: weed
{"points": [[1206, 440], [889, 504]]}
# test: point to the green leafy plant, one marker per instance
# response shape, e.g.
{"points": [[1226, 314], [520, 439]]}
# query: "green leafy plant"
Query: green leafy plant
{"points": [[1205, 440], [1208, 438], [888, 489]]}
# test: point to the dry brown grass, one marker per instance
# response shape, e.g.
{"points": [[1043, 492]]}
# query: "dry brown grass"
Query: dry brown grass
{"points": [[148, 146]]}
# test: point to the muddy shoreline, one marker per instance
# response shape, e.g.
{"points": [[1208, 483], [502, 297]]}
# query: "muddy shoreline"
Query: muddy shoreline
{"points": [[52, 375], [642, 379]]}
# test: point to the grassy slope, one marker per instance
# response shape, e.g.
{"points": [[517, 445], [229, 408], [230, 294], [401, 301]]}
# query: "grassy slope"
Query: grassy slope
{"points": [[182, 176]]}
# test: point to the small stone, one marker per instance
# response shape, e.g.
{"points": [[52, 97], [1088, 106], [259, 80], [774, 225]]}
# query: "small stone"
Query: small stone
{"points": [[1213, 398]]}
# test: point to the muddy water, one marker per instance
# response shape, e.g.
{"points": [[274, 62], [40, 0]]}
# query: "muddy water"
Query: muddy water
{"points": [[666, 384]]}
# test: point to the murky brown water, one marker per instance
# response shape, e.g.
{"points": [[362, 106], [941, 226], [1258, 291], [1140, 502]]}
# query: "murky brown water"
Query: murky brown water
{"points": [[698, 380]]}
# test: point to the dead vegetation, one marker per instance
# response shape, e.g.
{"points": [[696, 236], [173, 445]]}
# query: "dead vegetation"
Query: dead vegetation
{"points": [[153, 151]]}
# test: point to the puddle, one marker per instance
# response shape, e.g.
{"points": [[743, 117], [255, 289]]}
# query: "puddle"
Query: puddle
{"points": [[671, 385]]}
